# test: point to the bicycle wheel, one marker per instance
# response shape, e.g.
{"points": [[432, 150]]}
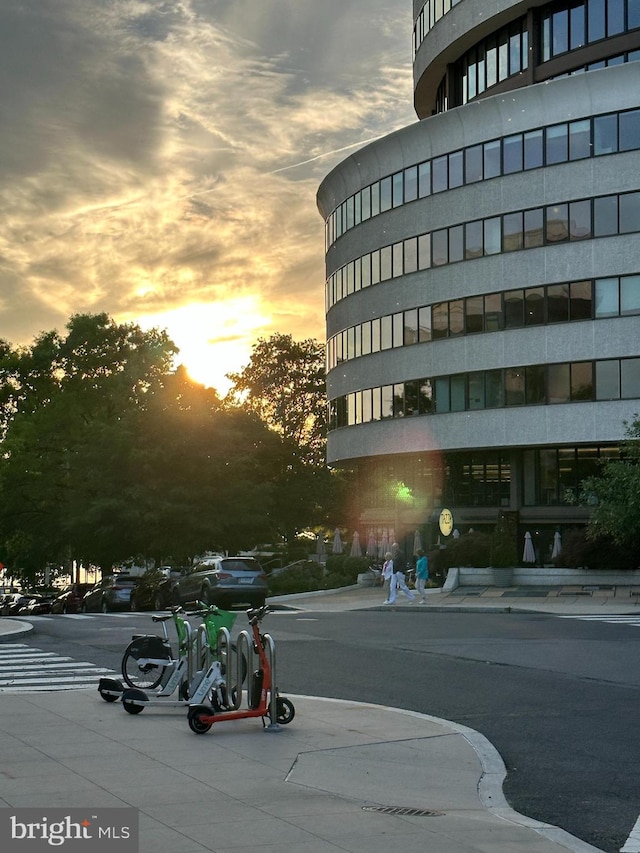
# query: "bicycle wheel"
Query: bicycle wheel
{"points": [[145, 677]]}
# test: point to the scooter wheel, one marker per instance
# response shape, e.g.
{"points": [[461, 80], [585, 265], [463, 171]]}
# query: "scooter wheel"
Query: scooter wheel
{"points": [[197, 718], [285, 710], [134, 700], [107, 697]]}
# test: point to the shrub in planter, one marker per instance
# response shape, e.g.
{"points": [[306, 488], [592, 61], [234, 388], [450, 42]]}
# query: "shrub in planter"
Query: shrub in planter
{"points": [[578, 551], [301, 578]]}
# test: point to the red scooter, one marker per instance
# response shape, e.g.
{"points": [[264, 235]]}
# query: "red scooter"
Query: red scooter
{"points": [[262, 695]]}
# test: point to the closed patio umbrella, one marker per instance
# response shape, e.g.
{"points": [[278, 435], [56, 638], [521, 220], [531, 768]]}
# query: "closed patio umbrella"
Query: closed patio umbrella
{"points": [[384, 544], [372, 548], [356, 550], [557, 545], [529, 553], [417, 542], [321, 548], [336, 548]]}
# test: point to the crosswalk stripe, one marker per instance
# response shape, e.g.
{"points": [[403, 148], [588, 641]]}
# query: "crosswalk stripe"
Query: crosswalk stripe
{"points": [[612, 619], [24, 669]]}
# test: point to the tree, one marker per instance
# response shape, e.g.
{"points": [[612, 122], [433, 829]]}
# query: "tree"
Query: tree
{"points": [[615, 496], [285, 385]]}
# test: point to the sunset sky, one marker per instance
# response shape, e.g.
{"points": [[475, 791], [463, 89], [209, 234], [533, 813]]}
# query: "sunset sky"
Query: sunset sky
{"points": [[160, 160]]}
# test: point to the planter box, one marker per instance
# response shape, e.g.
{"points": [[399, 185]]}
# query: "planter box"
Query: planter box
{"points": [[532, 576]]}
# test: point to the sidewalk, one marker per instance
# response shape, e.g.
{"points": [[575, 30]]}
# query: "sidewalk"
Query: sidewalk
{"points": [[342, 776]]}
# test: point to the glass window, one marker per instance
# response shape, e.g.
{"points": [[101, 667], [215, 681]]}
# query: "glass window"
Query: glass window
{"points": [[473, 240], [375, 266], [351, 339], [633, 13], [560, 30], [557, 144], [605, 134], [365, 196], [492, 166], [515, 52], [358, 209], [545, 47], [577, 21], [411, 398], [385, 194], [493, 319], [534, 306], [425, 392], [615, 17], [596, 20], [398, 400], [630, 130], [386, 332], [582, 380], [458, 388], [514, 386], [513, 309], [349, 209], [580, 299], [476, 390], [492, 229], [607, 298], [375, 335], [440, 247], [629, 211], [558, 303], [557, 225], [376, 404], [533, 228], [456, 243], [608, 379], [512, 154], [456, 176], [630, 378], [440, 174], [397, 189], [366, 338], [375, 198], [535, 384], [443, 399], [533, 149], [410, 249], [397, 260], [473, 157], [387, 401], [579, 220], [424, 324], [366, 406], [365, 270], [605, 215], [579, 139], [440, 320], [492, 61], [398, 329], [503, 54], [558, 383], [512, 234], [473, 314], [424, 251], [410, 330], [424, 179], [411, 183], [494, 389], [630, 294], [456, 317]]}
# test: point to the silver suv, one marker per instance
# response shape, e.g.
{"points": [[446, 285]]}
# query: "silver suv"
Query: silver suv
{"points": [[224, 581]]}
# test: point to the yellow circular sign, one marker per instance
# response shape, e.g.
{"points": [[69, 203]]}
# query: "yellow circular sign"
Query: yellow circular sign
{"points": [[446, 522]]}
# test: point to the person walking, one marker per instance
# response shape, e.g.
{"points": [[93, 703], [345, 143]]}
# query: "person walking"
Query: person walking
{"points": [[422, 575], [398, 581], [387, 576]]}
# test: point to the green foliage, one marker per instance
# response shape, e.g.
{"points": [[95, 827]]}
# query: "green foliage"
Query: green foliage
{"points": [[504, 552], [615, 497], [304, 577], [470, 549], [579, 550]]}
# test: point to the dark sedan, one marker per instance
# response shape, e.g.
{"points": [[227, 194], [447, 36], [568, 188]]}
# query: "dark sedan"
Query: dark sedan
{"points": [[112, 593], [155, 590], [70, 600]]}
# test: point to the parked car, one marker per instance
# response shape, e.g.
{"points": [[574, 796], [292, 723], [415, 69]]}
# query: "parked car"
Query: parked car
{"points": [[155, 589], [112, 593], [225, 581], [12, 603], [70, 599], [35, 604]]}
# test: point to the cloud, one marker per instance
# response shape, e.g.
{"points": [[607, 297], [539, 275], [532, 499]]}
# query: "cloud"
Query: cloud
{"points": [[155, 155]]}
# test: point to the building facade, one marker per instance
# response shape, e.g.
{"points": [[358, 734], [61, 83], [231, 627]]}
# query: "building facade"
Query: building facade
{"points": [[483, 270]]}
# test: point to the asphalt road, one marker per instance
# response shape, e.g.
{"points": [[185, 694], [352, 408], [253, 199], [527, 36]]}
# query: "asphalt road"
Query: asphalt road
{"points": [[557, 697]]}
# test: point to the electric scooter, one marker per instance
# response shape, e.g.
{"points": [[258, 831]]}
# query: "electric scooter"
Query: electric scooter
{"points": [[262, 695]]}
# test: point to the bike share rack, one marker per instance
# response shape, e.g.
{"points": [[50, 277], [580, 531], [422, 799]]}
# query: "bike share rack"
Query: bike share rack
{"points": [[245, 640]]}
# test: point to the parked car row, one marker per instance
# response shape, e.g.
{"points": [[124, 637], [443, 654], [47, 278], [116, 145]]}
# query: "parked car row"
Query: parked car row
{"points": [[225, 581]]}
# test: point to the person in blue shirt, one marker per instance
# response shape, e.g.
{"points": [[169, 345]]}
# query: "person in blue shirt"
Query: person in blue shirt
{"points": [[422, 575]]}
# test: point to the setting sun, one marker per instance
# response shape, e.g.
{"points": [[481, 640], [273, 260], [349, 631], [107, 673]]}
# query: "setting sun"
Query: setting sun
{"points": [[214, 338]]}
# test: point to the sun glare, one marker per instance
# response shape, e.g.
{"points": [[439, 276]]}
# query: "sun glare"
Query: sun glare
{"points": [[213, 338]]}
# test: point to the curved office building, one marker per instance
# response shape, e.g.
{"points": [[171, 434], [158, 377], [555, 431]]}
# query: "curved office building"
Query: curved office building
{"points": [[483, 269]]}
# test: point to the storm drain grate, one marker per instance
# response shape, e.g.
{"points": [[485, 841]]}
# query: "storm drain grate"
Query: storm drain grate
{"points": [[400, 810]]}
